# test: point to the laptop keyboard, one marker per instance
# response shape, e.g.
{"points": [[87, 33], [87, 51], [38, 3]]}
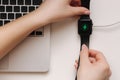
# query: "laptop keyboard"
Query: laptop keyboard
{"points": [[13, 9]]}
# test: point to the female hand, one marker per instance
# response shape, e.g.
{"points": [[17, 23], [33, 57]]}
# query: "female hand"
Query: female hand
{"points": [[56, 10], [49, 11], [93, 65]]}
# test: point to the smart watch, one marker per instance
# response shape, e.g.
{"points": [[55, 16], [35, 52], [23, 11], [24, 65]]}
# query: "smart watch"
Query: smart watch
{"points": [[84, 27]]}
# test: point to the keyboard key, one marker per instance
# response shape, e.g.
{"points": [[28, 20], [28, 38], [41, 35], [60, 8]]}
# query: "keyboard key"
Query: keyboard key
{"points": [[27, 2], [1, 23], [10, 15], [8, 8], [2, 8], [31, 8], [5, 2], [37, 2], [23, 8], [6, 21], [38, 32], [20, 2], [33, 33], [16, 8], [18, 15], [37, 7], [13, 2], [3, 15], [24, 14]]}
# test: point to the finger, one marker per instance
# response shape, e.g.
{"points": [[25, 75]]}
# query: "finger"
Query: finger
{"points": [[75, 3], [92, 60], [79, 11], [76, 17], [76, 66], [97, 55], [110, 73], [76, 61], [84, 55], [107, 78]]}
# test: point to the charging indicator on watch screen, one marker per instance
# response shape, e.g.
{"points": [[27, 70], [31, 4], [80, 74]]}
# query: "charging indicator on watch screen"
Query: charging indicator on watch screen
{"points": [[85, 27]]}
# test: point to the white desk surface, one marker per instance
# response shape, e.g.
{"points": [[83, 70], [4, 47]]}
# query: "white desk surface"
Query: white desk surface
{"points": [[65, 44]]}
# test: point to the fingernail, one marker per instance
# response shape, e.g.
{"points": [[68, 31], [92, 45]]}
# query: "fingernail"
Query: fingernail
{"points": [[87, 12], [83, 46]]}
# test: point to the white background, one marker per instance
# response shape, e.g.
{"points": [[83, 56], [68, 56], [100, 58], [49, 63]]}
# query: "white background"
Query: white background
{"points": [[65, 44]]}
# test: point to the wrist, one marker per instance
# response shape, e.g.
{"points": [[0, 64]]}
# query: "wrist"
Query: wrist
{"points": [[38, 18]]}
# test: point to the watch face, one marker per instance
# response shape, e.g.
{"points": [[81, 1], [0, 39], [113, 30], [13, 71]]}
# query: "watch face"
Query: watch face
{"points": [[85, 27]]}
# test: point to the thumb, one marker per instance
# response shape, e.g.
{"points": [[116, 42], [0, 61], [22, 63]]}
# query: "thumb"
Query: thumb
{"points": [[84, 55], [80, 11]]}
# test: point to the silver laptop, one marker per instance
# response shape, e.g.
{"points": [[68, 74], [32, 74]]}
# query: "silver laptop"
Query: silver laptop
{"points": [[32, 54]]}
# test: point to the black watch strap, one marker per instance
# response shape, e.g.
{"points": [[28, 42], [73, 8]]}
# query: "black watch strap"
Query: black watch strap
{"points": [[85, 3], [84, 40], [84, 19]]}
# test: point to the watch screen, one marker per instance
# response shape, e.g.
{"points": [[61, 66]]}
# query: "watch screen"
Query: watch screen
{"points": [[85, 27]]}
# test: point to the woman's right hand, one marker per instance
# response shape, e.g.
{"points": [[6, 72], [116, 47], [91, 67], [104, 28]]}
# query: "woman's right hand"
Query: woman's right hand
{"points": [[93, 65], [57, 10]]}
